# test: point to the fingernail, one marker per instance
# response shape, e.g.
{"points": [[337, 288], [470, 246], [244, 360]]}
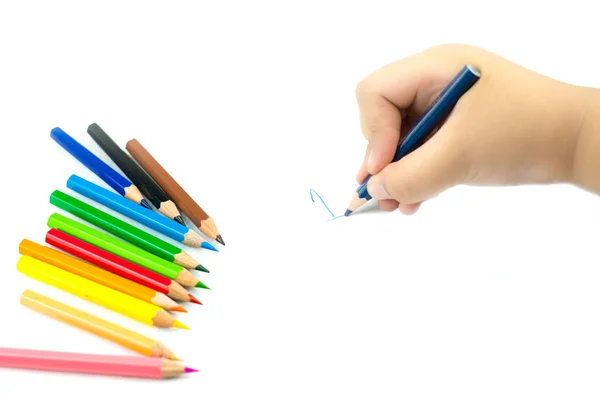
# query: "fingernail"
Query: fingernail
{"points": [[377, 190]]}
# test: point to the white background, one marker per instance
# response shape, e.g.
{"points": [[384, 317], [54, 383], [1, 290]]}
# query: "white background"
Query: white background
{"points": [[486, 293]]}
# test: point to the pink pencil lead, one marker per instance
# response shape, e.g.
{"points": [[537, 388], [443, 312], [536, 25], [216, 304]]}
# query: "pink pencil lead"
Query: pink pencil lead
{"points": [[189, 370]]}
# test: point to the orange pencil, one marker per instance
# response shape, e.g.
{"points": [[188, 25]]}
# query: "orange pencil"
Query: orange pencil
{"points": [[98, 275], [98, 326]]}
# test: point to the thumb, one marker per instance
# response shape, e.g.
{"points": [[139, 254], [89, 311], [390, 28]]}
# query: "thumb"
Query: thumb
{"points": [[432, 168]]}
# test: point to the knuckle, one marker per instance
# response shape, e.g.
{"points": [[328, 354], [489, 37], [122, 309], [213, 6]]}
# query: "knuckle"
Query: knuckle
{"points": [[364, 88], [374, 129]]}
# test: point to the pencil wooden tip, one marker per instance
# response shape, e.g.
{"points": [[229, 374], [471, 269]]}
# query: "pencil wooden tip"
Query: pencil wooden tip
{"points": [[180, 325], [194, 300], [219, 239], [179, 309], [355, 204]]}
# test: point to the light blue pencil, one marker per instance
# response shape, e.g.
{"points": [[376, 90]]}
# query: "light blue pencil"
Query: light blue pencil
{"points": [[148, 218]]}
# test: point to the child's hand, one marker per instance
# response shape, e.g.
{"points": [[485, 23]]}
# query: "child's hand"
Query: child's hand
{"points": [[512, 127]]}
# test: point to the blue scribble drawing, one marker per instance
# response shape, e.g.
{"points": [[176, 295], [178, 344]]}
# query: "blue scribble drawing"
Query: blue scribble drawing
{"points": [[323, 202]]}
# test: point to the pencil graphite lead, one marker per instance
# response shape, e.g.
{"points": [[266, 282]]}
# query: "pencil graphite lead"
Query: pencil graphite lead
{"points": [[355, 204], [189, 370], [180, 220], [206, 245], [220, 240], [145, 203], [202, 285], [200, 267], [180, 325]]}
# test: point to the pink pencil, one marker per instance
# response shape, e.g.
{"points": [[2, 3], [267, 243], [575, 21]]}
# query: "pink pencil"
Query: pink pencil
{"points": [[138, 367]]}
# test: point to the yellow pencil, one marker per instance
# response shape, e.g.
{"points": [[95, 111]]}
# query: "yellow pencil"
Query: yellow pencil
{"points": [[98, 326], [96, 293]]}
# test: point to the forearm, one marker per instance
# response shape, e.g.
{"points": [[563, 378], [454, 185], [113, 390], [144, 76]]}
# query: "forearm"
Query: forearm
{"points": [[586, 163]]}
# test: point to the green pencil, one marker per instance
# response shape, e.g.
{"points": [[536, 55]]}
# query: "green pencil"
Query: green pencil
{"points": [[125, 231], [124, 250]]}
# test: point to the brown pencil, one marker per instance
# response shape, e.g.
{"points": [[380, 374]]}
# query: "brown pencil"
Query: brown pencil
{"points": [[183, 200]]}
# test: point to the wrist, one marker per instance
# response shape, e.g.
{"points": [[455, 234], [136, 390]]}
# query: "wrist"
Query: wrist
{"points": [[586, 158]]}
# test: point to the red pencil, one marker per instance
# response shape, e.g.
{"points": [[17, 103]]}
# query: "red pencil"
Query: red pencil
{"points": [[118, 265]]}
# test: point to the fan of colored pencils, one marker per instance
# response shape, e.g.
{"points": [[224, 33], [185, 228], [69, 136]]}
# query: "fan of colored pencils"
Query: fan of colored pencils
{"points": [[107, 261]]}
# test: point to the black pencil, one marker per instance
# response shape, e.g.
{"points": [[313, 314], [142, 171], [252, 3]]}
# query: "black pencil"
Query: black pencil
{"points": [[149, 188]]}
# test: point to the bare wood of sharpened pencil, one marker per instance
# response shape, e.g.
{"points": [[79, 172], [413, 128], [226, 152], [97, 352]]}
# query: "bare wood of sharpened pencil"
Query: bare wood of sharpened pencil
{"points": [[183, 200], [163, 319], [98, 326], [169, 209], [171, 369], [133, 193], [192, 239], [185, 278], [164, 301], [177, 292], [185, 260]]}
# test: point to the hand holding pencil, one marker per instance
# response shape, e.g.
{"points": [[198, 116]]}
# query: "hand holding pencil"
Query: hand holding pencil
{"points": [[513, 126]]}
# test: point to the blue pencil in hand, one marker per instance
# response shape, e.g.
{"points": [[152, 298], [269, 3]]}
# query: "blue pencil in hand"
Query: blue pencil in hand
{"points": [[112, 178], [148, 218], [431, 118]]}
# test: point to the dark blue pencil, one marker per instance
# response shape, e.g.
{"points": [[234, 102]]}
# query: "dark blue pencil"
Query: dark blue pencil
{"points": [[424, 126], [112, 178]]}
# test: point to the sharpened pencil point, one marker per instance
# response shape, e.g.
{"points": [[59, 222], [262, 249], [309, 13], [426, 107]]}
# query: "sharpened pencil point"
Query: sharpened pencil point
{"points": [[175, 358], [206, 245], [202, 268], [178, 309], [189, 370], [194, 300], [145, 203], [356, 203], [180, 325], [180, 220], [219, 239], [202, 285]]}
